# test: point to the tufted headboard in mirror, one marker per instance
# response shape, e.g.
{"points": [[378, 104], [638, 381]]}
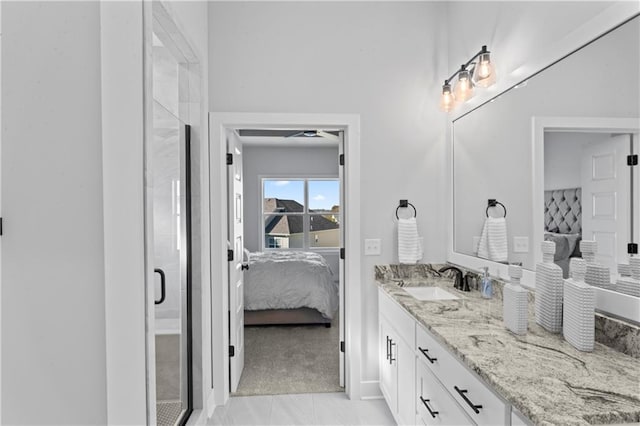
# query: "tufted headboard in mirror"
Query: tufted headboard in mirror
{"points": [[563, 224], [563, 211]]}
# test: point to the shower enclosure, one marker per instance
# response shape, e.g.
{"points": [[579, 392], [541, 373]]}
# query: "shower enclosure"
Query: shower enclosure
{"points": [[168, 192], [171, 230]]}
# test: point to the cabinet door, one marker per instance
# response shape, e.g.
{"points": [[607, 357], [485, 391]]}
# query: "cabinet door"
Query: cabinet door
{"points": [[406, 362], [388, 372], [517, 419], [434, 404]]}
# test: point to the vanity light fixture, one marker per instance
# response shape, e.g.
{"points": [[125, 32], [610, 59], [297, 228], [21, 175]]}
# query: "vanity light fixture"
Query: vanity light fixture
{"points": [[478, 71]]}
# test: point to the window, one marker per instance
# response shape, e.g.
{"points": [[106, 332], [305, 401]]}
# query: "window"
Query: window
{"points": [[301, 213]]}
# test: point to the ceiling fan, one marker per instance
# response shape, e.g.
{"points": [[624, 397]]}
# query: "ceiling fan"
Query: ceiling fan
{"points": [[315, 134]]}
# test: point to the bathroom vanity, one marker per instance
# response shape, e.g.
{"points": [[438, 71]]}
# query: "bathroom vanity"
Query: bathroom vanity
{"points": [[450, 361]]}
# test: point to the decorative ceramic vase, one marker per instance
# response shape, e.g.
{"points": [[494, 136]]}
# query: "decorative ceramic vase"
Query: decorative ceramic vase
{"points": [[548, 306], [629, 281], [515, 302], [579, 308], [597, 274], [624, 269]]}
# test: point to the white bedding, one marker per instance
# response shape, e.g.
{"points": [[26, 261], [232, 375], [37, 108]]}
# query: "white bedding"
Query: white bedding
{"points": [[290, 280]]}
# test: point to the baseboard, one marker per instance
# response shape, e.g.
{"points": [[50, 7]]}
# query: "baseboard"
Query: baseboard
{"points": [[370, 389], [211, 403], [197, 418]]}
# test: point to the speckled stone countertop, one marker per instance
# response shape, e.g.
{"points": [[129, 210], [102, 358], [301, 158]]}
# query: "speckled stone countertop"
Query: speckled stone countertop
{"points": [[539, 373]]}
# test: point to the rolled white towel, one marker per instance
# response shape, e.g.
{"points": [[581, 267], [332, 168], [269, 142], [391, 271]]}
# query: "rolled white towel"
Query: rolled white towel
{"points": [[409, 244], [493, 241]]}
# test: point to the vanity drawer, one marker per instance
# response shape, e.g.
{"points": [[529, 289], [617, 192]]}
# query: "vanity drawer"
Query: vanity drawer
{"points": [[431, 352], [401, 321], [466, 388], [430, 395]]}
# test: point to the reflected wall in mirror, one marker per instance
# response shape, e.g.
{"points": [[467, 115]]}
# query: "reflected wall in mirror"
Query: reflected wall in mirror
{"points": [[493, 146]]}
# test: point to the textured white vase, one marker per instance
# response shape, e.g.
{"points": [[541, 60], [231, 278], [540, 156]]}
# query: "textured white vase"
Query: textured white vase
{"points": [[549, 289], [629, 280], [515, 302], [597, 274], [579, 308]]}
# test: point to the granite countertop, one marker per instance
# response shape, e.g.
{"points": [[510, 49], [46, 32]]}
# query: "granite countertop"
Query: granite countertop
{"points": [[539, 373]]}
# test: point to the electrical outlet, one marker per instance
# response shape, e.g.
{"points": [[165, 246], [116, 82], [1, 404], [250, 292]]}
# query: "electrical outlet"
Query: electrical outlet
{"points": [[372, 247], [521, 244], [476, 243]]}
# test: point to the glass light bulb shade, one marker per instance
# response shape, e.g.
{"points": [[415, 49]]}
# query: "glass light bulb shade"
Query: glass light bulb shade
{"points": [[447, 100], [484, 73], [463, 90]]}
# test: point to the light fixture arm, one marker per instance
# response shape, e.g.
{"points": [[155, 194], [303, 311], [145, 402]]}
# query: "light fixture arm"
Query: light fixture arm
{"points": [[469, 62]]}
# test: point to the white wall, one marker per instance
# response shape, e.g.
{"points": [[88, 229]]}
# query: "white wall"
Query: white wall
{"points": [[562, 158], [0, 210], [53, 306], [516, 32], [382, 60]]}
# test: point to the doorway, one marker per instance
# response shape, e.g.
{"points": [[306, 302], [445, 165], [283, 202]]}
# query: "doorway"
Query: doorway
{"points": [[220, 124], [286, 283]]}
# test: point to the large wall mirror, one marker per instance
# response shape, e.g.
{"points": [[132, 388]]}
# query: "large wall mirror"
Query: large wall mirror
{"points": [[553, 151]]}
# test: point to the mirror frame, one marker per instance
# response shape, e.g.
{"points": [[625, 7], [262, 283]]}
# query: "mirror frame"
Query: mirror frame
{"points": [[611, 303]]}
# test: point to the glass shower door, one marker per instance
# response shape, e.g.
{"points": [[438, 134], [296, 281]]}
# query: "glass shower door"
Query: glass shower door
{"points": [[171, 231]]}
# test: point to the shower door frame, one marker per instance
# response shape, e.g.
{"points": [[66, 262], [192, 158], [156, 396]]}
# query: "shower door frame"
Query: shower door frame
{"points": [[156, 17]]}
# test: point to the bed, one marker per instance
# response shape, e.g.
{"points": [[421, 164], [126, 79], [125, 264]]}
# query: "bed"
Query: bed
{"points": [[563, 224], [289, 287]]}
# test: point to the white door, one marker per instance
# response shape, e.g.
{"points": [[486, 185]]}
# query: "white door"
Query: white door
{"points": [[605, 198], [236, 271], [341, 262]]}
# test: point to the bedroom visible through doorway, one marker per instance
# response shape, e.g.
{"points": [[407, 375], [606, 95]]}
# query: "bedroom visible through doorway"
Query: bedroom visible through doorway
{"points": [[285, 198]]}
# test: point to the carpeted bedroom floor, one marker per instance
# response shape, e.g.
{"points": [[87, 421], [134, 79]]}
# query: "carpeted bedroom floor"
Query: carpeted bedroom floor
{"points": [[290, 360]]}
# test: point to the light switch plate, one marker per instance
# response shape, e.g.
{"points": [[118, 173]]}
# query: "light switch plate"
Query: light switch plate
{"points": [[372, 247], [521, 244]]}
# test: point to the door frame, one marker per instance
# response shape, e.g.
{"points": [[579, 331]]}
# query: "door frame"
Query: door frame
{"points": [[608, 302], [218, 124]]}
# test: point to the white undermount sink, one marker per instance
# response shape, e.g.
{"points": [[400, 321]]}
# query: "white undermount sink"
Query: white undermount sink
{"points": [[430, 293]]}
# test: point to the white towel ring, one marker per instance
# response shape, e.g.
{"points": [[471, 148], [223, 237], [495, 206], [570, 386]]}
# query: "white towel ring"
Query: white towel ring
{"points": [[493, 203]]}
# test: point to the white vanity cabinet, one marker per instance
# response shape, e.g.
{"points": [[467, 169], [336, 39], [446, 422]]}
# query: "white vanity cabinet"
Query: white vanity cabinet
{"points": [[435, 405], [397, 360], [423, 383], [479, 402], [517, 419]]}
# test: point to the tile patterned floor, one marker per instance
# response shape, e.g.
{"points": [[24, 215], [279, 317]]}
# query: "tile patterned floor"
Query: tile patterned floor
{"points": [[168, 412], [301, 409]]}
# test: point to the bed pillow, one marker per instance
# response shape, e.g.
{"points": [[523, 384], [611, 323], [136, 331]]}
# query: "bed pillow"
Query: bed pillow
{"points": [[574, 244], [562, 245], [573, 239]]}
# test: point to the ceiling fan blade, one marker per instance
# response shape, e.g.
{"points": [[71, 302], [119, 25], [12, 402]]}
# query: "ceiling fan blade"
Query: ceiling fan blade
{"points": [[327, 135], [296, 135]]}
